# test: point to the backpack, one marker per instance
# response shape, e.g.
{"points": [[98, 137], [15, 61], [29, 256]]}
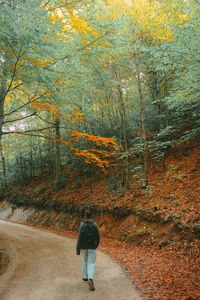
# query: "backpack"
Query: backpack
{"points": [[90, 231]]}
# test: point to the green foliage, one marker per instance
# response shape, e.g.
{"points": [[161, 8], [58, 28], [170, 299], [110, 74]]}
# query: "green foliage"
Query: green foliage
{"points": [[112, 183], [59, 183], [75, 69]]}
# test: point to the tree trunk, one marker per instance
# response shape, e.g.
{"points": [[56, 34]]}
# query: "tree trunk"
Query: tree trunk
{"points": [[31, 162], [157, 98], [139, 84], [3, 161], [58, 158], [49, 145], [3, 91], [122, 112], [41, 164]]}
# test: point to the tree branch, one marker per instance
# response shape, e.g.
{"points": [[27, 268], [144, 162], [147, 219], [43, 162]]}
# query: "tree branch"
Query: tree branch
{"points": [[24, 105], [80, 49], [14, 72], [46, 3], [57, 7], [44, 120], [15, 87], [26, 132], [20, 119]]}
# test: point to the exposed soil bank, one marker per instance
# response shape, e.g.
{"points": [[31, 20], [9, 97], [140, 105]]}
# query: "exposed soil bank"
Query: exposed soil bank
{"points": [[133, 229]]}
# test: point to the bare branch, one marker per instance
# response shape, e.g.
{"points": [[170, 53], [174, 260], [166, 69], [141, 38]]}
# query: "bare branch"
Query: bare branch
{"points": [[24, 105], [80, 49], [14, 72], [15, 87], [46, 3], [20, 119], [27, 131], [61, 6], [44, 120]]}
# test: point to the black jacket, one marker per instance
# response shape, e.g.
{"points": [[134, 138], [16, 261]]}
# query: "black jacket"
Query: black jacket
{"points": [[83, 243]]}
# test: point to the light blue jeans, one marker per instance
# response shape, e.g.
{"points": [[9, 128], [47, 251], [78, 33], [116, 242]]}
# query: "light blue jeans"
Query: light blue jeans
{"points": [[88, 262]]}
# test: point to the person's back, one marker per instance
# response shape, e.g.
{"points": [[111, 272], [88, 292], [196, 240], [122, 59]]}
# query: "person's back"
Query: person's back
{"points": [[88, 241], [88, 235]]}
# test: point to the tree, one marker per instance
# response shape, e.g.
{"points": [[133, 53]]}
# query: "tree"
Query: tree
{"points": [[97, 70]]}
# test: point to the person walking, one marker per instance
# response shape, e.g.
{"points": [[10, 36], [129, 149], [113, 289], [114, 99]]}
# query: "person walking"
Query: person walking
{"points": [[88, 242]]}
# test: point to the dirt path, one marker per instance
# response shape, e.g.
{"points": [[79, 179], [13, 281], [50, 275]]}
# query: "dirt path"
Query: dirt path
{"points": [[43, 266]]}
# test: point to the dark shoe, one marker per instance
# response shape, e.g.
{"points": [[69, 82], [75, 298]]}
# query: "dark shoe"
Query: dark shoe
{"points": [[91, 285], [85, 279]]}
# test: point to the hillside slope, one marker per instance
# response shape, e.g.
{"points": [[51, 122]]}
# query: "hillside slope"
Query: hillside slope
{"points": [[153, 233]]}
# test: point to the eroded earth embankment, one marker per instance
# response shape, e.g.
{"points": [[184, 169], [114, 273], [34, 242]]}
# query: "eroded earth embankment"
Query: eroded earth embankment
{"points": [[130, 228]]}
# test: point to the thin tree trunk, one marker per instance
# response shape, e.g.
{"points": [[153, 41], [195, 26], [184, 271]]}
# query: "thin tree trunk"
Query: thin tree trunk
{"points": [[3, 161], [3, 90], [31, 162], [21, 166], [58, 152], [166, 105], [139, 84], [124, 125], [41, 163], [115, 114], [50, 148]]}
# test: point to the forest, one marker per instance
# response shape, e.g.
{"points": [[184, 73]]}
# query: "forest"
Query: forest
{"points": [[99, 107], [87, 83]]}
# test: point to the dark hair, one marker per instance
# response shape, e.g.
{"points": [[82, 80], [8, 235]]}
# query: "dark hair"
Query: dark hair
{"points": [[88, 214]]}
